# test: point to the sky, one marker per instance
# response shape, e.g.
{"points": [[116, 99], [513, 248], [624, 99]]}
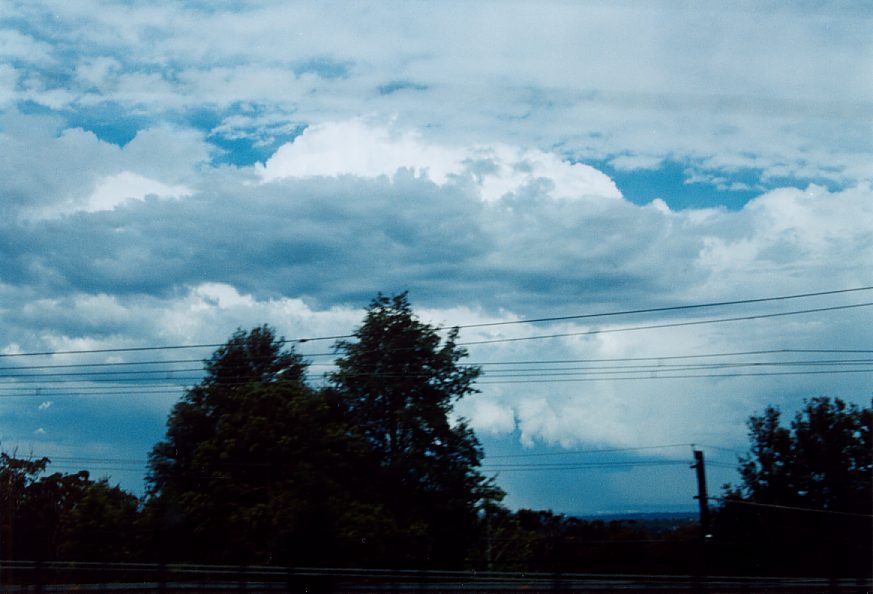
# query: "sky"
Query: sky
{"points": [[173, 171]]}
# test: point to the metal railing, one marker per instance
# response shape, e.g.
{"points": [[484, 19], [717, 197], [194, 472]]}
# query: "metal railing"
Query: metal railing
{"points": [[86, 577]]}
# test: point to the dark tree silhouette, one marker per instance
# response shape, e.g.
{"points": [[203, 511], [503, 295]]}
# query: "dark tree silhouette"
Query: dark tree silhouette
{"points": [[63, 516], [823, 461], [399, 381], [256, 466]]}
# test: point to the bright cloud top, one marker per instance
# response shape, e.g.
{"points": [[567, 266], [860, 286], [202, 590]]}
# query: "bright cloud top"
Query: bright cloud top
{"points": [[360, 148]]}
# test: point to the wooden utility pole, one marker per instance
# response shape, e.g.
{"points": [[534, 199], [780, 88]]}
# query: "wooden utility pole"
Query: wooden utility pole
{"points": [[702, 497], [703, 502]]}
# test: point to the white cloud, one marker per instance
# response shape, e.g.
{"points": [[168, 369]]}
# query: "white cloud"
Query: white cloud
{"points": [[45, 405], [99, 73], [8, 83], [598, 80], [636, 162], [364, 149], [122, 187], [49, 170], [467, 187], [491, 417], [18, 46], [357, 148]]}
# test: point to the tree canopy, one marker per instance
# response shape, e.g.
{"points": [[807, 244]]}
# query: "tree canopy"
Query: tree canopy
{"points": [[805, 498], [258, 466], [63, 516], [399, 380], [376, 468]]}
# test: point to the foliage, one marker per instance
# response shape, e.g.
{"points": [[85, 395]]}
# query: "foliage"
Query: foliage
{"points": [[399, 381], [63, 516], [822, 461], [536, 540], [257, 466]]}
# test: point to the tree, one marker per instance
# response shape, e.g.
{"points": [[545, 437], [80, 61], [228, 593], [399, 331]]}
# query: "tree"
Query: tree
{"points": [[63, 516], [16, 477], [823, 461], [399, 381], [256, 465]]}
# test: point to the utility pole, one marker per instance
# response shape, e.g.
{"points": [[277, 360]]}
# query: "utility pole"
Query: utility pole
{"points": [[703, 501], [702, 497]]}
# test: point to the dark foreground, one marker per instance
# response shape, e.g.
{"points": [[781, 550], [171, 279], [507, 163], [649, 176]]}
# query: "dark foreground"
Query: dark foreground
{"points": [[27, 576]]}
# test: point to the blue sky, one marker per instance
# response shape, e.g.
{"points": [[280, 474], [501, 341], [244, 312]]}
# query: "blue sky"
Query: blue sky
{"points": [[172, 171]]}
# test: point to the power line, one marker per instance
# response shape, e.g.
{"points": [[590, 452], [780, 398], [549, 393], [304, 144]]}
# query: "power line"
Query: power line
{"points": [[95, 365], [592, 451], [529, 321], [668, 325], [682, 366], [788, 507], [577, 466], [471, 364], [661, 309], [140, 378], [475, 364], [506, 368], [648, 369], [4, 378], [675, 376], [68, 460], [136, 389], [671, 357]]}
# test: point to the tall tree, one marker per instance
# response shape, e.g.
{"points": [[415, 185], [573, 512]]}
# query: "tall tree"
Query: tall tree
{"points": [[256, 466], [805, 501], [400, 380]]}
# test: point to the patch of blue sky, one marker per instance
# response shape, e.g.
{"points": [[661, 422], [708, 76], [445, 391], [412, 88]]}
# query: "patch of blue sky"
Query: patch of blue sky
{"points": [[110, 122], [241, 152], [670, 183], [203, 119], [33, 108], [584, 488], [247, 146]]}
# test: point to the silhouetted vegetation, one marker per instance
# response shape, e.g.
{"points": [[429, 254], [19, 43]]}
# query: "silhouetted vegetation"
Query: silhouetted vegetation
{"points": [[260, 467], [804, 504], [63, 516]]}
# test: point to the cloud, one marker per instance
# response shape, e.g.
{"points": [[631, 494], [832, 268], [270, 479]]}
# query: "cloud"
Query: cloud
{"points": [[272, 163], [599, 81], [45, 405], [492, 417], [49, 170], [362, 149], [117, 189], [334, 229], [306, 251], [18, 47]]}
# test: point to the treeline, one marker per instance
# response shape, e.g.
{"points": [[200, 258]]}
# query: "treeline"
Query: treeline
{"points": [[260, 467], [805, 503]]}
